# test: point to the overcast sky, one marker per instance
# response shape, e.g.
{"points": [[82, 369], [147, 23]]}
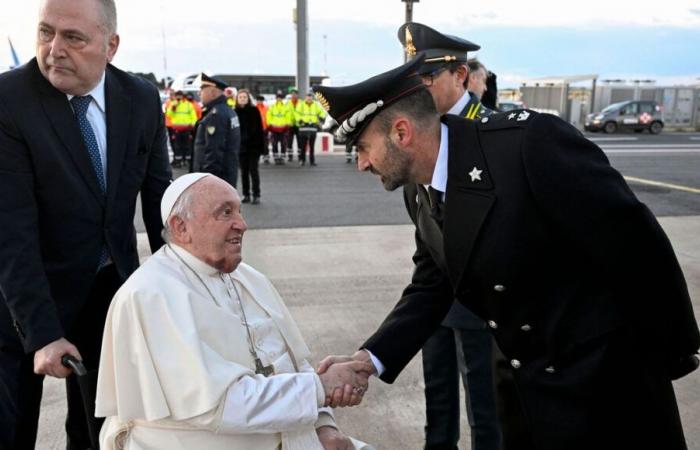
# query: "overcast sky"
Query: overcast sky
{"points": [[520, 40]]}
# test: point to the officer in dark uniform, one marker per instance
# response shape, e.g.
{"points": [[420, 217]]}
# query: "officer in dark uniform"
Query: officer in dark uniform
{"points": [[218, 136], [462, 345], [443, 52], [523, 220]]}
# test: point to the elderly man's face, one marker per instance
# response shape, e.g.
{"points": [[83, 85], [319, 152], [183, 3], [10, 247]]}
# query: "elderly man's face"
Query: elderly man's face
{"points": [[217, 226], [73, 47], [377, 153]]}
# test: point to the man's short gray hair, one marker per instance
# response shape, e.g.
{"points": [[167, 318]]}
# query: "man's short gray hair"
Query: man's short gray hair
{"points": [[108, 9], [182, 209]]}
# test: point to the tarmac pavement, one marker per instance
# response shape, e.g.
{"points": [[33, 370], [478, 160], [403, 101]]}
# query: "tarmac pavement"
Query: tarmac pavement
{"points": [[339, 283]]}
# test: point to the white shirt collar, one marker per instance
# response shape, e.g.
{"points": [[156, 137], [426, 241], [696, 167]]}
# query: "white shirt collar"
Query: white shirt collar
{"points": [[461, 103], [97, 93], [439, 181], [193, 262]]}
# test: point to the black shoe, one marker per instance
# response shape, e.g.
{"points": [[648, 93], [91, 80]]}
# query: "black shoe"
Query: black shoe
{"points": [[302, 163], [267, 161], [290, 158], [246, 199], [348, 160], [312, 164], [256, 201]]}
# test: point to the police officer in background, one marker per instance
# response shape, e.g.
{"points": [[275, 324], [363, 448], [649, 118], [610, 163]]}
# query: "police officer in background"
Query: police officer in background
{"points": [[462, 344], [447, 54], [218, 133]]}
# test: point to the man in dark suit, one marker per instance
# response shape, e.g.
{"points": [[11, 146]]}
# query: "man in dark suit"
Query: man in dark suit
{"points": [[536, 233], [79, 140]]}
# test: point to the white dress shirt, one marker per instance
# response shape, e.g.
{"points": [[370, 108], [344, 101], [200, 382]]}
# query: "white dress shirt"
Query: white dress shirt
{"points": [[461, 103]]}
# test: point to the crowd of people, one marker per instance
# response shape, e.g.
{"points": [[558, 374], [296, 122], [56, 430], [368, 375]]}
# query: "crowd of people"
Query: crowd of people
{"points": [[539, 276], [266, 132]]}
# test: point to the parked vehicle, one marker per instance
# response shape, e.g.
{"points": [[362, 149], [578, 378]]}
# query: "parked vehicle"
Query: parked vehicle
{"points": [[629, 115], [510, 105]]}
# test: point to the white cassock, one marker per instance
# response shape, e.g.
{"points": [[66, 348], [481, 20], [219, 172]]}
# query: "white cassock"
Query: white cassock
{"points": [[176, 371]]}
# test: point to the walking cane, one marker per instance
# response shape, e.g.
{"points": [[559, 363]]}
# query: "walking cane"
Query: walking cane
{"points": [[88, 401]]}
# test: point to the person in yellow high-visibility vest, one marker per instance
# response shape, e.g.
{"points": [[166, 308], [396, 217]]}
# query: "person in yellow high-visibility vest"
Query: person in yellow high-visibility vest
{"points": [[308, 116], [183, 118], [231, 94], [293, 131], [279, 119]]}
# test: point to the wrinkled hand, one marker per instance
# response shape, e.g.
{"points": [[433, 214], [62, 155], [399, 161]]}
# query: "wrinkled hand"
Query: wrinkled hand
{"points": [[333, 439], [47, 360], [349, 394]]}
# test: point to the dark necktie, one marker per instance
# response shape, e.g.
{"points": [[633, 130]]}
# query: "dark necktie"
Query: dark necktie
{"points": [[80, 106], [436, 205]]}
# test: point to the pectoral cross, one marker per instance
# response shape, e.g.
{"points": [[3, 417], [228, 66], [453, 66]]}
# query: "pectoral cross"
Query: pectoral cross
{"points": [[264, 370]]}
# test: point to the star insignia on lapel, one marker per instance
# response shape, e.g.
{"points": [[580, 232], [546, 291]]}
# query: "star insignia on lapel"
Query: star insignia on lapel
{"points": [[475, 174], [523, 116], [511, 116]]}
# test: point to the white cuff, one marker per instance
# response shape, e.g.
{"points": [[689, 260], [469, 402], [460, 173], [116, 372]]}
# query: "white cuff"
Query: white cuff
{"points": [[377, 363]]}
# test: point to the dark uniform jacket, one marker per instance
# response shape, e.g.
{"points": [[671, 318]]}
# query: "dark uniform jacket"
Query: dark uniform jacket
{"points": [[217, 141], [53, 215], [460, 317], [575, 277]]}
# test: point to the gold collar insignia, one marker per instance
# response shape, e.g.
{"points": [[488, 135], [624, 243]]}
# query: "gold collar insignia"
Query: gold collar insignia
{"points": [[323, 101]]}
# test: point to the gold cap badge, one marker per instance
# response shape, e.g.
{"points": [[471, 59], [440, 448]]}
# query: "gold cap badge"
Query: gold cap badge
{"points": [[409, 47]]}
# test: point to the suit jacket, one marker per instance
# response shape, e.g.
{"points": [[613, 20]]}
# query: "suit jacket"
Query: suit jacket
{"points": [[555, 252], [54, 217]]}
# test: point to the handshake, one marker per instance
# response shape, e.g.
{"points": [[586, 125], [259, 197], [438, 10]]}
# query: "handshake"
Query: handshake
{"points": [[345, 379]]}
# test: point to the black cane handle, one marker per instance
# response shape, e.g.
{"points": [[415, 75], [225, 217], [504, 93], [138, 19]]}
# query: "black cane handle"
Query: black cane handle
{"points": [[74, 363]]}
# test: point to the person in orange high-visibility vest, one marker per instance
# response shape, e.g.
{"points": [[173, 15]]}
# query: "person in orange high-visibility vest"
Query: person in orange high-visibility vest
{"points": [[262, 108]]}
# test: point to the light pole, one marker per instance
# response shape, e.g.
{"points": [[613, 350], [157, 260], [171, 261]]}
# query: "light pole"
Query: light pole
{"points": [[325, 52], [302, 19], [409, 9]]}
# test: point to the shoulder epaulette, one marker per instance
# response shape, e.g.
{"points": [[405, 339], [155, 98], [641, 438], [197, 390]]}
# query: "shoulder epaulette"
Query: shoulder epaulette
{"points": [[517, 118]]}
